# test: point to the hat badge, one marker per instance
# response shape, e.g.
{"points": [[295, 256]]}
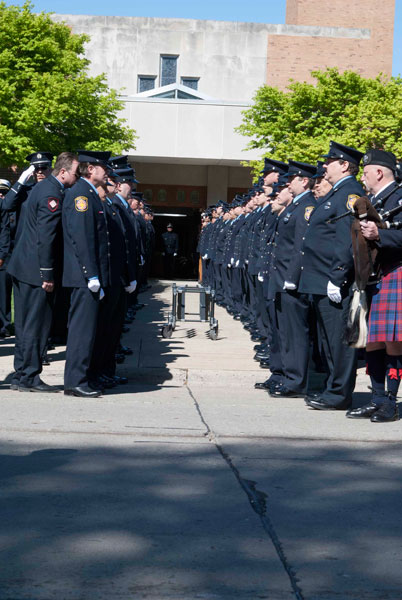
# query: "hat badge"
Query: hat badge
{"points": [[365, 158], [39, 155]]}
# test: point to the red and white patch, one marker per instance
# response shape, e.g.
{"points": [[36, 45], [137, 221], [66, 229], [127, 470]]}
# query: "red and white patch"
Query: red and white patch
{"points": [[53, 204]]}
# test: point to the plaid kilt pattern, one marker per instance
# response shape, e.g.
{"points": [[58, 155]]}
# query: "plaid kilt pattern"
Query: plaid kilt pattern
{"points": [[385, 317]]}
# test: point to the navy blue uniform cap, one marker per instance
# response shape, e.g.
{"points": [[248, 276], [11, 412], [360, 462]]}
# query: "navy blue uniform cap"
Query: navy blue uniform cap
{"points": [[320, 171], [40, 159], [94, 157], [276, 166], [341, 152], [301, 169]]}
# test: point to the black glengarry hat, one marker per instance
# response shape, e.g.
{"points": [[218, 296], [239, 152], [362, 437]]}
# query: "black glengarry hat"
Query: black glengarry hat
{"points": [[380, 157]]}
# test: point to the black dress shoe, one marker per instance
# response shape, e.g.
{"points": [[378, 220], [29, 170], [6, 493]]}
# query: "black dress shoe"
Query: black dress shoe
{"points": [[320, 404], [125, 350], [264, 364], [363, 412], [120, 380], [312, 396], [386, 413], [39, 387], [119, 358], [96, 385], [284, 392], [236, 317], [82, 392], [256, 338], [125, 329], [13, 386], [267, 385]]}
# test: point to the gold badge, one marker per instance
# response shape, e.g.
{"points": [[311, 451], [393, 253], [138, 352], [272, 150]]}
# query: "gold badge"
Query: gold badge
{"points": [[351, 201], [81, 203], [307, 212]]}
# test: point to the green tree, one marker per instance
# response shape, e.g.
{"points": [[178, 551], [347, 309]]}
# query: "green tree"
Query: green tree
{"points": [[298, 124], [47, 99]]}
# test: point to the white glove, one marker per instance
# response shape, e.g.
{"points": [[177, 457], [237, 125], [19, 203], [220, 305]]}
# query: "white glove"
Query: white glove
{"points": [[101, 294], [131, 288], [94, 285], [260, 277], [229, 266], [232, 261], [237, 262], [25, 175], [289, 286], [334, 292], [246, 261], [142, 260], [174, 253], [205, 257]]}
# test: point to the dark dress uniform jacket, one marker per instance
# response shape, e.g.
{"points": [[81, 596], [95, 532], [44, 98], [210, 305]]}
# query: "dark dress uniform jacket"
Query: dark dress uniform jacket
{"points": [[38, 253], [291, 226], [390, 243], [170, 242], [86, 244], [5, 237], [326, 252]]}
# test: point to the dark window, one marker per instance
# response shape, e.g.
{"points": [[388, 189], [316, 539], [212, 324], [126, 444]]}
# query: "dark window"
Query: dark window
{"points": [[181, 196], [146, 82], [195, 197], [191, 82], [162, 195], [168, 70], [148, 195]]}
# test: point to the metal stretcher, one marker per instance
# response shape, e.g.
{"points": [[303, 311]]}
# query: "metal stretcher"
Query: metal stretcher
{"points": [[178, 313]]}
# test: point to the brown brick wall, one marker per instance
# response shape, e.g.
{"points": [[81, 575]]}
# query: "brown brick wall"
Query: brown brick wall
{"points": [[296, 56]]}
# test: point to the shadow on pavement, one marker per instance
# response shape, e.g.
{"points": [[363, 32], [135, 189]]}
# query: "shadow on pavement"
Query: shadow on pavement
{"points": [[152, 521]]}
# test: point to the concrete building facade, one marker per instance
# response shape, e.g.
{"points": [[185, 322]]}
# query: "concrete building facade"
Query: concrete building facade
{"points": [[186, 82]]}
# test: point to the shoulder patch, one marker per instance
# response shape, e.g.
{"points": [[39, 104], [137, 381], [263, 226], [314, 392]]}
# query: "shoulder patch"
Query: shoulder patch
{"points": [[351, 200], [81, 203], [53, 204], [307, 212]]}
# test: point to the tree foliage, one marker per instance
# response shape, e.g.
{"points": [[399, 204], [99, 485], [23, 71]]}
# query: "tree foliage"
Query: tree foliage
{"points": [[298, 124], [47, 99]]}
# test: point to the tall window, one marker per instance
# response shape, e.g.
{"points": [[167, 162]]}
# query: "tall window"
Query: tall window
{"points": [[191, 82], [168, 69], [146, 82]]}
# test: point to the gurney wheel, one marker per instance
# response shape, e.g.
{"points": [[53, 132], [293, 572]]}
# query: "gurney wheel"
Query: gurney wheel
{"points": [[167, 331], [213, 333]]}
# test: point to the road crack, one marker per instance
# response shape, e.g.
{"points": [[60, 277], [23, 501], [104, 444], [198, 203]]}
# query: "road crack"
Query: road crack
{"points": [[257, 500]]}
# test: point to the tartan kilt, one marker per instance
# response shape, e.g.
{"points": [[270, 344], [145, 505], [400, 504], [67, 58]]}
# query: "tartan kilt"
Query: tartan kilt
{"points": [[385, 317]]}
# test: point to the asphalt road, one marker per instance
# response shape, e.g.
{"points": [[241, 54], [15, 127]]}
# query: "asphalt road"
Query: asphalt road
{"points": [[188, 483]]}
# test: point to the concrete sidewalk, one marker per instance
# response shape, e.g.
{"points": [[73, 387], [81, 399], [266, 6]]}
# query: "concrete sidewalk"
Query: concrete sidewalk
{"points": [[188, 483]]}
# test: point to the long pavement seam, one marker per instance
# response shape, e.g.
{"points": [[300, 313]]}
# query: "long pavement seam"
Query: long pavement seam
{"points": [[256, 498]]}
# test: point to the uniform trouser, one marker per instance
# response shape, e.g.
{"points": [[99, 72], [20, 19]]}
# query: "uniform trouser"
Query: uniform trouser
{"points": [[108, 330], [251, 279], [134, 296], [341, 359], [169, 266], [5, 298], [293, 320], [245, 312], [33, 317], [275, 359], [262, 318], [218, 281], [226, 292], [237, 295], [82, 322]]}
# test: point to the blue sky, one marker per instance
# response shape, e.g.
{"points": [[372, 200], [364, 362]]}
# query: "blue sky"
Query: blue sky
{"points": [[263, 11]]}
